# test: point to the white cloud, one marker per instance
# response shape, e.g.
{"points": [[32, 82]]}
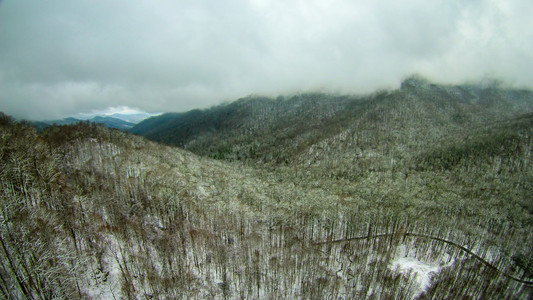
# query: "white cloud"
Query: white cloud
{"points": [[63, 57]]}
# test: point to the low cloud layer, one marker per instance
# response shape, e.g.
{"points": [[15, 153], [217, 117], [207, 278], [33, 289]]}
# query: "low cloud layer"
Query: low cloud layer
{"points": [[59, 58]]}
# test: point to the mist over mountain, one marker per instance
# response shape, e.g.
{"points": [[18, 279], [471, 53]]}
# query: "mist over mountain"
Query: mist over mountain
{"points": [[337, 178], [132, 118], [122, 121], [419, 192], [184, 55], [287, 129]]}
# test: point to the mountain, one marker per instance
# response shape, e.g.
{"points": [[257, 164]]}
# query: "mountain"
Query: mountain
{"points": [[40, 125], [421, 192], [132, 118], [275, 119], [66, 121], [306, 128], [110, 122]]}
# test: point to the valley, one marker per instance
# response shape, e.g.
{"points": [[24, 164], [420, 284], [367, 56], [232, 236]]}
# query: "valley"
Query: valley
{"points": [[420, 192]]}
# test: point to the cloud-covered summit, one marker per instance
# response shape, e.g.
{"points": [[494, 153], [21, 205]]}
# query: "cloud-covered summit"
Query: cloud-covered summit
{"points": [[59, 58]]}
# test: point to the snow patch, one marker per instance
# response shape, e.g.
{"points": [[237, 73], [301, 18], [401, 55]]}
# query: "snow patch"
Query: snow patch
{"points": [[406, 262], [424, 271]]}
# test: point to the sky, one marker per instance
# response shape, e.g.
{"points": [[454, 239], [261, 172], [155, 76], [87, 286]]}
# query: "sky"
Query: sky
{"points": [[60, 58]]}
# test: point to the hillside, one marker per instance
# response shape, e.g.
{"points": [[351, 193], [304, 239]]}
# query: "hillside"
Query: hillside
{"points": [[286, 129], [214, 132], [420, 192]]}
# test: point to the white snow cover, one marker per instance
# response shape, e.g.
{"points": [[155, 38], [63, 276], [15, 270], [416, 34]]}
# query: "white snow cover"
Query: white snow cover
{"points": [[405, 262], [423, 270]]}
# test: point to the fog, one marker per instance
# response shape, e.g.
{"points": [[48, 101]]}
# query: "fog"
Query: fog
{"points": [[60, 58]]}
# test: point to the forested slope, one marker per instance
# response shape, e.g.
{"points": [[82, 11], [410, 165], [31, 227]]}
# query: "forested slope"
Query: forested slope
{"points": [[325, 127], [340, 208]]}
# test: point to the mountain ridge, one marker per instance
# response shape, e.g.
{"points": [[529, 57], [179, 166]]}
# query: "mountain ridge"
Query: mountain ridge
{"points": [[110, 122], [256, 128], [273, 198]]}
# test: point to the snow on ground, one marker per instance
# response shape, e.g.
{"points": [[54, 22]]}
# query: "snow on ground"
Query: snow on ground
{"points": [[407, 262], [105, 284], [423, 270]]}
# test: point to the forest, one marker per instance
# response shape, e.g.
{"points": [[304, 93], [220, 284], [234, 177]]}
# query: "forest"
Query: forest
{"points": [[424, 192]]}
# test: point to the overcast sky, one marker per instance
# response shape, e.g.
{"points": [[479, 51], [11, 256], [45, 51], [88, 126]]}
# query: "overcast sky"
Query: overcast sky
{"points": [[59, 58]]}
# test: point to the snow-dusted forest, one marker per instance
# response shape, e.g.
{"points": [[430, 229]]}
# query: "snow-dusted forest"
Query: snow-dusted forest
{"points": [[429, 199]]}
